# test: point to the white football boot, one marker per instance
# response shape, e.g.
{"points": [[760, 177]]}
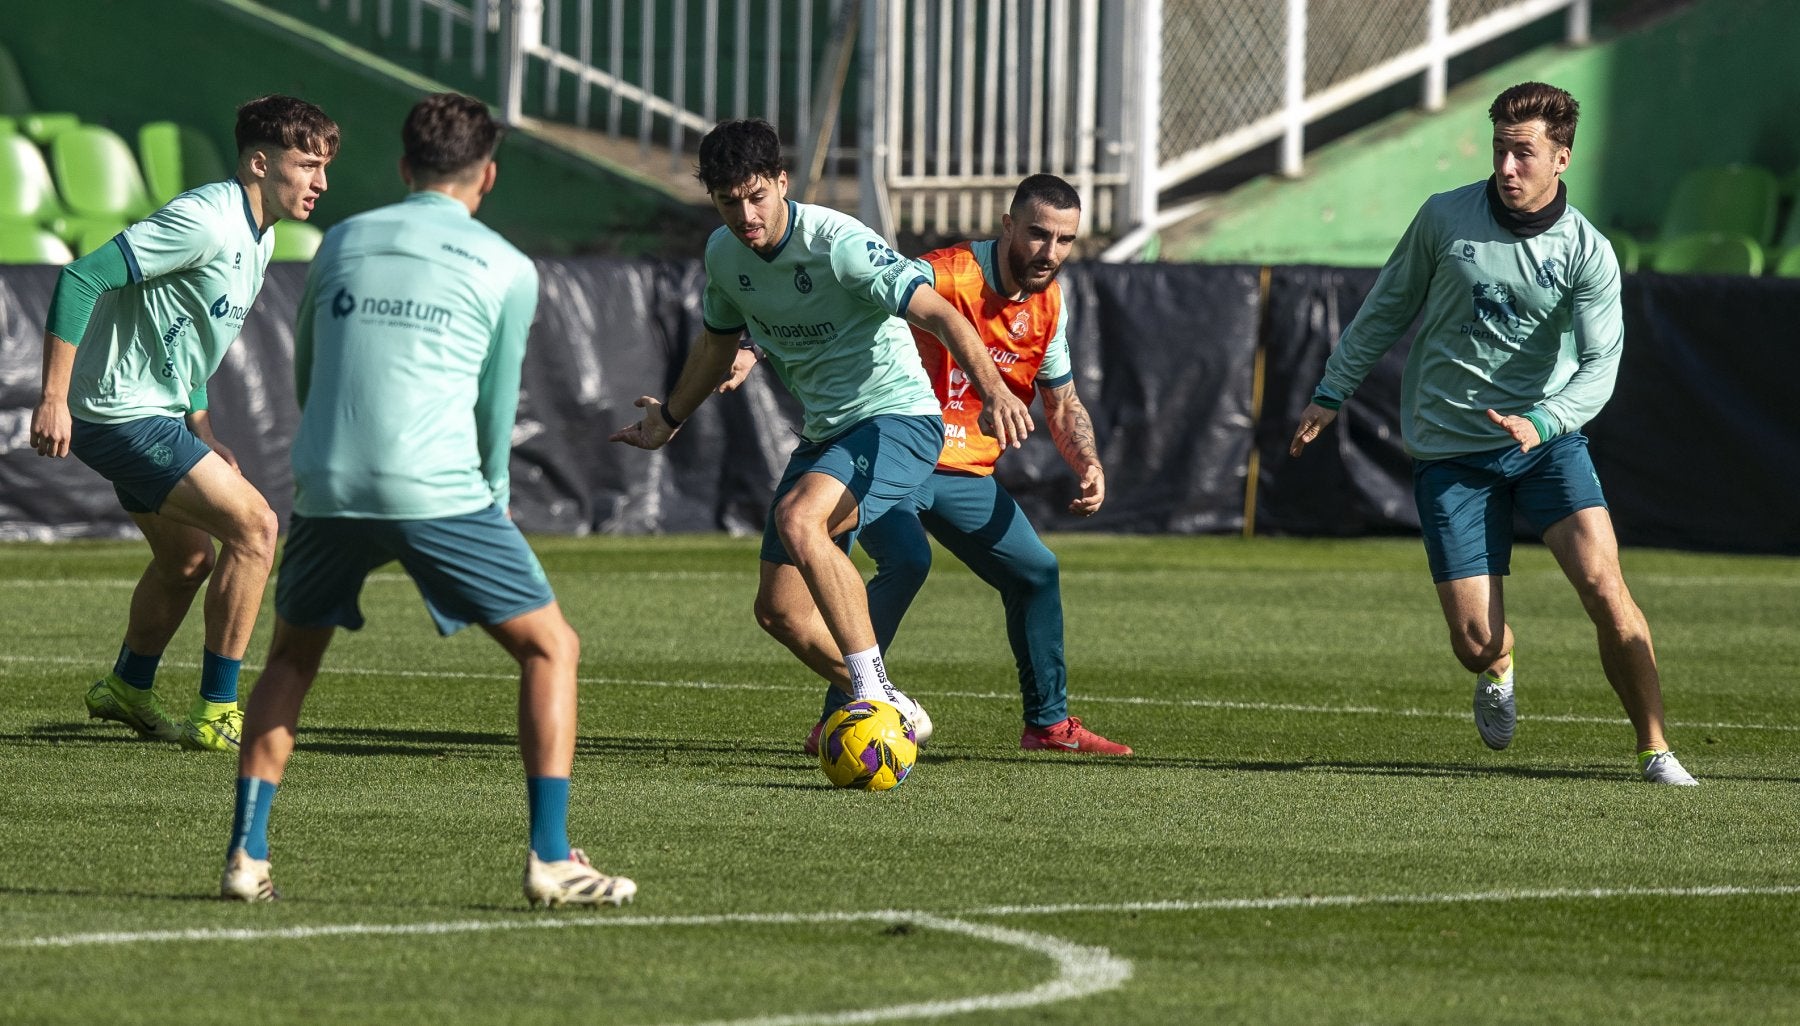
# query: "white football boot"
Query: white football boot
{"points": [[1663, 768], [246, 879], [1495, 714], [573, 881]]}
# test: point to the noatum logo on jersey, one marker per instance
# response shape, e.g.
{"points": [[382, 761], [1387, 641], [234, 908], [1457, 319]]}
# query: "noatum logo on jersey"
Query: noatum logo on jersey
{"points": [[419, 313], [222, 308], [799, 334]]}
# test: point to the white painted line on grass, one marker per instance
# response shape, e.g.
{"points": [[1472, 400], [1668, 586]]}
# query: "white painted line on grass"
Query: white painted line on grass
{"points": [[585, 921], [1081, 969], [1004, 696]]}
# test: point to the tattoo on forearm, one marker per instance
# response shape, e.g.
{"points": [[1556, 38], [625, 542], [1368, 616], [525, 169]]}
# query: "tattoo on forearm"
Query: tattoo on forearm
{"points": [[1073, 433]]}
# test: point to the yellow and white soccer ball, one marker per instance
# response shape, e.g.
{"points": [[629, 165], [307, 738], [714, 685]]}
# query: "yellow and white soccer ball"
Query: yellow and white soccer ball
{"points": [[868, 745]]}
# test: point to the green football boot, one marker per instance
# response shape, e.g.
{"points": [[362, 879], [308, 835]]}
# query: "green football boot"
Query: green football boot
{"points": [[142, 710], [213, 727]]}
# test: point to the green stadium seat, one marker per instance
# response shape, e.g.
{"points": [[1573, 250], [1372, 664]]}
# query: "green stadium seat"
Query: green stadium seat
{"points": [[22, 242], [90, 235], [1709, 253], [296, 241], [176, 158], [42, 128], [1626, 249], [15, 102], [1738, 199], [27, 192], [97, 175], [1789, 264]]}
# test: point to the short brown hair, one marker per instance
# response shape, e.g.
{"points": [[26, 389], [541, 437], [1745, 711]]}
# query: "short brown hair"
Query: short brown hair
{"points": [[287, 122], [447, 134], [1536, 101], [738, 151]]}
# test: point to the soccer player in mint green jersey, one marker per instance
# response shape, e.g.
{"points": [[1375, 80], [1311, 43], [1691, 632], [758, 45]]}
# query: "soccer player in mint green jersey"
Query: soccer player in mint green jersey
{"points": [[1007, 289], [135, 330], [829, 303], [1517, 349], [407, 353]]}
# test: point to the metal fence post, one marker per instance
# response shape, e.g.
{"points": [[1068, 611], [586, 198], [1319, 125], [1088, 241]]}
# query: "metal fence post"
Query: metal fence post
{"points": [[873, 206], [1147, 141], [512, 62], [1293, 136], [1437, 73], [1580, 18]]}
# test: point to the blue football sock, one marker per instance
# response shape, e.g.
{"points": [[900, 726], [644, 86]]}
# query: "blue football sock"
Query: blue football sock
{"points": [[250, 821], [218, 678], [548, 800], [139, 671]]}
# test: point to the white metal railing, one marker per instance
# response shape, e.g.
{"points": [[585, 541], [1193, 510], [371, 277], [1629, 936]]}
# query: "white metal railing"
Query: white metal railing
{"points": [[973, 95], [1387, 41], [958, 99]]}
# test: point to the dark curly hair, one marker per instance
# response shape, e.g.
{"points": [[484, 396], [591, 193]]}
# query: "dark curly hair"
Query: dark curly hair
{"points": [[735, 152], [448, 133], [287, 122]]}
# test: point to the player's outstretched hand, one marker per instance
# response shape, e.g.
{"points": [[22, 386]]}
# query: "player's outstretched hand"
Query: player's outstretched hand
{"points": [[741, 366], [648, 433], [1005, 419], [50, 429], [1093, 492], [1313, 419], [1522, 430]]}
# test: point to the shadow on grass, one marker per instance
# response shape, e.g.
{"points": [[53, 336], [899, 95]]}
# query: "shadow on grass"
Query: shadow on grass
{"points": [[782, 757], [86, 732], [1610, 771]]}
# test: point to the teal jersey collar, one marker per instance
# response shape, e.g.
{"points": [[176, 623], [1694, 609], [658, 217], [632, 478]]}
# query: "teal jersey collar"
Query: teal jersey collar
{"points": [[249, 214], [432, 197]]}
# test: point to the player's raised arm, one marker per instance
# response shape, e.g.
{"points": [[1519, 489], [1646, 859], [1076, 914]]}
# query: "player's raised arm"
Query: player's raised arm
{"points": [[1003, 415]]}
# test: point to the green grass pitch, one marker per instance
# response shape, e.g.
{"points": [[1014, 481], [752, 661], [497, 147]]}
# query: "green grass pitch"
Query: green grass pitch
{"points": [[1311, 831]]}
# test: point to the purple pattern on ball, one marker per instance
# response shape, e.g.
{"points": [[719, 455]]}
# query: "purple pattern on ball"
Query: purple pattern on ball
{"points": [[871, 757]]}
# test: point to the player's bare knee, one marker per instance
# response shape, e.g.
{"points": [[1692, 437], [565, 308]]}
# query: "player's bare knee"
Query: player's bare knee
{"points": [[1607, 600], [564, 644], [1477, 650], [254, 534], [775, 620], [189, 570], [797, 532]]}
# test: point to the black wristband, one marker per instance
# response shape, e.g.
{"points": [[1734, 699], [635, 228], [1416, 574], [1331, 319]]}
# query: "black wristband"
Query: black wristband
{"points": [[668, 418], [746, 343]]}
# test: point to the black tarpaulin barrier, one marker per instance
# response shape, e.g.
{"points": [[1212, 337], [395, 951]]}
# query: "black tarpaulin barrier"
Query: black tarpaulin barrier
{"points": [[1356, 477], [250, 399], [1163, 362], [1697, 449], [1700, 446]]}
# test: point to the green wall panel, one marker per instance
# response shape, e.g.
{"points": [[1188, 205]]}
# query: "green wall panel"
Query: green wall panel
{"points": [[122, 63], [1712, 83]]}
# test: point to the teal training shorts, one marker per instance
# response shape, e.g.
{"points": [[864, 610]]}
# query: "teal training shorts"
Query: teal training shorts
{"points": [[882, 461], [1467, 503], [474, 568]]}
